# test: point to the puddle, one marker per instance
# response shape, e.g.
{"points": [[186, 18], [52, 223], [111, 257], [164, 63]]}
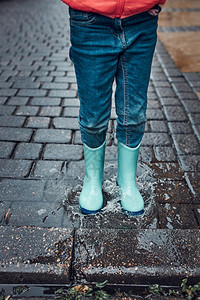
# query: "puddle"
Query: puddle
{"points": [[64, 189]]}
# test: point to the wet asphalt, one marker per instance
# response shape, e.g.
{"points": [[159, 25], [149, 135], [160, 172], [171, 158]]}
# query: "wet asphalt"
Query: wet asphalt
{"points": [[44, 238]]}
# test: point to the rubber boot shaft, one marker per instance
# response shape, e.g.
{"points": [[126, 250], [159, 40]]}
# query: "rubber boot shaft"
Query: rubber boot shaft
{"points": [[91, 198], [131, 200]]}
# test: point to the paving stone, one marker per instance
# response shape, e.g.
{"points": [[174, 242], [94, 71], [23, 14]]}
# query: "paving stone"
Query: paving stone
{"points": [[76, 170], [63, 152], [7, 74], [170, 101], [165, 92], [173, 72], [156, 139], [18, 101], [187, 96], [14, 168], [77, 138], [72, 73], [55, 86], [4, 84], [21, 190], [27, 151], [180, 127], [15, 134], [161, 84], [71, 112], [32, 93], [6, 148], [175, 113], [7, 110], [44, 168], [42, 79], [193, 181], [73, 86], [98, 253], [23, 77], [71, 102], [49, 111], [181, 86], [38, 122], [27, 111], [170, 191], [46, 101], [146, 154], [68, 123], [49, 68], [8, 92], [26, 67], [52, 136], [64, 68], [195, 84], [192, 106], [167, 170], [163, 153], [36, 255], [26, 85], [152, 96], [186, 144], [192, 76], [40, 73], [158, 76], [195, 118], [158, 126], [155, 114], [176, 216], [62, 93], [65, 79], [4, 206], [40, 214], [12, 121], [3, 100], [153, 104], [190, 162]]}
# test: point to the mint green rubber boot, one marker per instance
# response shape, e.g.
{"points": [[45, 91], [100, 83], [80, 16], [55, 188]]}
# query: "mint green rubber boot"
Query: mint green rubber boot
{"points": [[131, 200], [91, 197]]}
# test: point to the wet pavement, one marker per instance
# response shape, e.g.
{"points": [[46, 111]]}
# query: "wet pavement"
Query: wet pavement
{"points": [[41, 154]]}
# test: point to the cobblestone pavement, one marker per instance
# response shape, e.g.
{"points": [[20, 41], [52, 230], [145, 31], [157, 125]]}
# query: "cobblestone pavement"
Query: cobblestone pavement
{"points": [[41, 154]]}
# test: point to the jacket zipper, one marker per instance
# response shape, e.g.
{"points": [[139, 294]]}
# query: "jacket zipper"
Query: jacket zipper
{"points": [[119, 8]]}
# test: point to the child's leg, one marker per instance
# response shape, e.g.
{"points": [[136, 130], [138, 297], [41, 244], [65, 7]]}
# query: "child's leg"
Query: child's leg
{"points": [[95, 66], [132, 77]]}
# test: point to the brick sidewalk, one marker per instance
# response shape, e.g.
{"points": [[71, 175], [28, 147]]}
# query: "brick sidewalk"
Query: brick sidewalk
{"points": [[41, 165]]}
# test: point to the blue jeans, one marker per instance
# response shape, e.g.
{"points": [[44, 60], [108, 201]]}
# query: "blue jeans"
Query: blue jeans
{"points": [[104, 49]]}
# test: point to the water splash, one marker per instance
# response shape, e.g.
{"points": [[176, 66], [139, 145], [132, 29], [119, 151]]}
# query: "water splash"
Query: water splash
{"points": [[62, 189], [111, 215]]}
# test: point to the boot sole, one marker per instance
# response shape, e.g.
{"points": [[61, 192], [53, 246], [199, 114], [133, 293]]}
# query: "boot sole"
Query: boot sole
{"points": [[133, 213], [88, 212]]}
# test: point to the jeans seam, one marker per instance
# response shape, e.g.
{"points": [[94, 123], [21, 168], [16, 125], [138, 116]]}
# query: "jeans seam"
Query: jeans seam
{"points": [[126, 96]]}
